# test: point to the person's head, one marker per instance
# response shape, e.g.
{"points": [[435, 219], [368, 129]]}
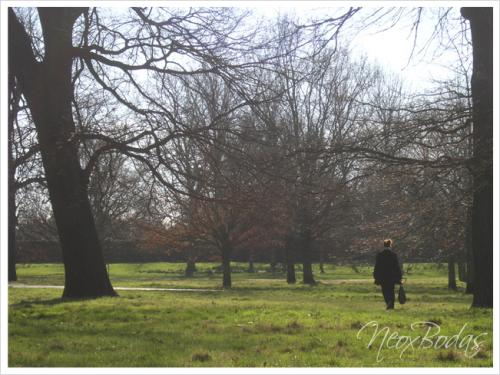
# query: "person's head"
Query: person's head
{"points": [[388, 243]]}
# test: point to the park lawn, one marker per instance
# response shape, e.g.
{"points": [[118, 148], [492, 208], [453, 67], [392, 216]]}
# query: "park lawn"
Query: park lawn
{"points": [[260, 322]]}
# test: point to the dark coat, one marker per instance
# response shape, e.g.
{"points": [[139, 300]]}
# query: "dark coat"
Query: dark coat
{"points": [[387, 269]]}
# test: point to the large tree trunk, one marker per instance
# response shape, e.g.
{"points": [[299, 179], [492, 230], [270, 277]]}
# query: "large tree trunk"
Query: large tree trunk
{"points": [[452, 279], [48, 90], [481, 24]]}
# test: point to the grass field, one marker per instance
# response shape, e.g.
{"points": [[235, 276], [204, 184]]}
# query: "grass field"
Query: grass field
{"points": [[260, 322]]}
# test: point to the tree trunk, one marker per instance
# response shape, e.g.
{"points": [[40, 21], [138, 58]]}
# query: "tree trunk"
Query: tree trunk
{"points": [[307, 274], [481, 24], [290, 273], [321, 261], [452, 281], [12, 234], [274, 261], [12, 274], [226, 266], [48, 90], [12, 224], [462, 272], [190, 268], [290, 262], [251, 268], [469, 289]]}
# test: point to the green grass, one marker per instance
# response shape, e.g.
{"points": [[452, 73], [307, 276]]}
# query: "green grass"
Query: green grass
{"points": [[262, 321]]}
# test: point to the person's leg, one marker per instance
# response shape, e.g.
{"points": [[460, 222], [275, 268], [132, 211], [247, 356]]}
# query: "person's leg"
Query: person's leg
{"points": [[384, 293], [392, 296], [388, 292]]}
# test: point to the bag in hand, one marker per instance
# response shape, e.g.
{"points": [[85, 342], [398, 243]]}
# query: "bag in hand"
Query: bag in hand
{"points": [[401, 295]]}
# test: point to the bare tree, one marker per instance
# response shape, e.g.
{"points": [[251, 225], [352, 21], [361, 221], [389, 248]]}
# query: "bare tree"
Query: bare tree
{"points": [[161, 39]]}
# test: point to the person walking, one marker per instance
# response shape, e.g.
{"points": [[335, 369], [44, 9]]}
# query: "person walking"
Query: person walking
{"points": [[387, 273]]}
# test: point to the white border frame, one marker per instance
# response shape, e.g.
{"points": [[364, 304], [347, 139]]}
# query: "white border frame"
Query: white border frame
{"points": [[231, 370]]}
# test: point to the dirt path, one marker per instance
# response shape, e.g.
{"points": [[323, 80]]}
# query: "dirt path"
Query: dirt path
{"points": [[27, 286]]}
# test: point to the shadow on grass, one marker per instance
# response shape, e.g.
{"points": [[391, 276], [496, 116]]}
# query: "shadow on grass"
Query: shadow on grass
{"points": [[55, 301], [29, 303]]}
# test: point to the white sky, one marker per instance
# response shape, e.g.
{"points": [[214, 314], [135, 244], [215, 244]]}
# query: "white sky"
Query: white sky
{"points": [[389, 48], [392, 49]]}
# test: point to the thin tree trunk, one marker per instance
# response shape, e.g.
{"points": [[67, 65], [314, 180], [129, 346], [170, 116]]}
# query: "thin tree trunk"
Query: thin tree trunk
{"points": [[321, 261], [452, 281], [308, 277], [12, 236], [290, 262], [226, 266], [12, 248], [462, 272], [481, 25], [12, 274], [290, 273], [48, 90], [190, 268], [469, 289], [274, 261], [307, 272], [283, 267], [251, 268]]}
